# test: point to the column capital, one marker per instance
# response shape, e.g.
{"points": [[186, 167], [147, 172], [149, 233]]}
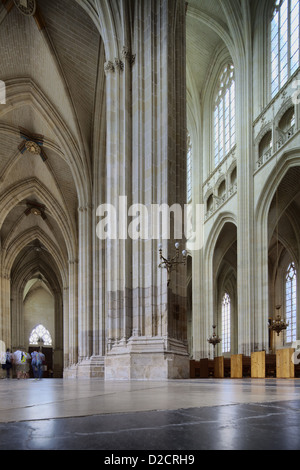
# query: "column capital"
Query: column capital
{"points": [[119, 65], [86, 208], [114, 66], [109, 67], [128, 56]]}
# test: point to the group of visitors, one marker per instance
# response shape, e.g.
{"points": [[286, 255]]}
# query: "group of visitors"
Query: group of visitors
{"points": [[22, 361]]}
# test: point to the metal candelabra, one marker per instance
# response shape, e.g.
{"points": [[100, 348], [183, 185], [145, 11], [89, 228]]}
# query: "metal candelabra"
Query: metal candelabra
{"points": [[171, 263]]}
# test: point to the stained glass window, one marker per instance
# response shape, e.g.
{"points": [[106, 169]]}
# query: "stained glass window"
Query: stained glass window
{"points": [[224, 115], [285, 58], [226, 319], [40, 334], [291, 303]]}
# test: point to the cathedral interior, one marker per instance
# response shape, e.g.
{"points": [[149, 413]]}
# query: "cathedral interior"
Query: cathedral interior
{"points": [[149, 222]]}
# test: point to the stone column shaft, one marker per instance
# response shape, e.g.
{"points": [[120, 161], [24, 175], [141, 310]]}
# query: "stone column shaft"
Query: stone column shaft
{"points": [[157, 318]]}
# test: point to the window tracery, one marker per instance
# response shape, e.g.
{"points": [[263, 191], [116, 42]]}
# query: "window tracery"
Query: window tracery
{"points": [[224, 115], [291, 303], [40, 334], [285, 58], [226, 318]]}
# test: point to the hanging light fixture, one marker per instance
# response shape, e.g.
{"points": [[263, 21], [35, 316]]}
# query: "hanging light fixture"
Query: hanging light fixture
{"points": [[171, 263], [214, 339], [278, 325]]}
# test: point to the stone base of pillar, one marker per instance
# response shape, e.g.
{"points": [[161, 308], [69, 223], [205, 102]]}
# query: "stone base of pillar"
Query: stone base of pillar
{"points": [[86, 369], [147, 359]]}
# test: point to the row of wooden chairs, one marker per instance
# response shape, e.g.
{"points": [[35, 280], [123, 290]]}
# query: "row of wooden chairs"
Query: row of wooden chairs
{"points": [[283, 364]]}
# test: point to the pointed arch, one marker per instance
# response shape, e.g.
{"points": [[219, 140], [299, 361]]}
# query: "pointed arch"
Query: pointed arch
{"points": [[25, 189], [287, 161], [22, 91], [12, 248], [222, 219]]}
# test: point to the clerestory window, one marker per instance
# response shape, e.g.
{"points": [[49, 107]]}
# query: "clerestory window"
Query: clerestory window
{"points": [[224, 115], [285, 56]]}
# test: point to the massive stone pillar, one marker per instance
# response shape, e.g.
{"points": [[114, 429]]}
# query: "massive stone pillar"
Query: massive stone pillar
{"points": [[85, 283], [72, 318], [5, 326], [245, 229], [146, 160]]}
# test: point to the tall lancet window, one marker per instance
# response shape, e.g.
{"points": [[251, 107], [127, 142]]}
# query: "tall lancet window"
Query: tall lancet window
{"points": [[291, 303], [189, 168], [226, 319], [224, 115], [285, 51]]}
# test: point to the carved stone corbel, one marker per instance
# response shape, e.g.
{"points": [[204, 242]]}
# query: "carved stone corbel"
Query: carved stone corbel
{"points": [[119, 65], [128, 56], [109, 67]]}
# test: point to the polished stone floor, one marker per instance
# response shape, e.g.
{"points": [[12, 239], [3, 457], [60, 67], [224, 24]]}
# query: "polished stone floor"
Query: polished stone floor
{"points": [[175, 416]]}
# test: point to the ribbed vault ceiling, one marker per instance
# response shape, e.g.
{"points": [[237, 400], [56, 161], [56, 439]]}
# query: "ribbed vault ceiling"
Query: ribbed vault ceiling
{"points": [[49, 64]]}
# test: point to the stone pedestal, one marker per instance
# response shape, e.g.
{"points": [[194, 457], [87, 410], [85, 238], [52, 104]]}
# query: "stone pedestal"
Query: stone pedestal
{"points": [[86, 369], [145, 358]]}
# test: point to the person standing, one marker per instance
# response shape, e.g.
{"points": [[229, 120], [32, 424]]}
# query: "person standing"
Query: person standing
{"points": [[37, 363], [8, 362], [40, 359], [34, 365], [18, 362], [25, 361]]}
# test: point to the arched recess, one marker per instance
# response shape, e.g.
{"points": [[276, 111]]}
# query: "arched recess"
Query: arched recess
{"points": [[41, 267], [13, 250], [220, 261], [25, 190], [54, 243], [284, 246], [210, 92], [277, 240], [225, 281], [210, 46]]}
